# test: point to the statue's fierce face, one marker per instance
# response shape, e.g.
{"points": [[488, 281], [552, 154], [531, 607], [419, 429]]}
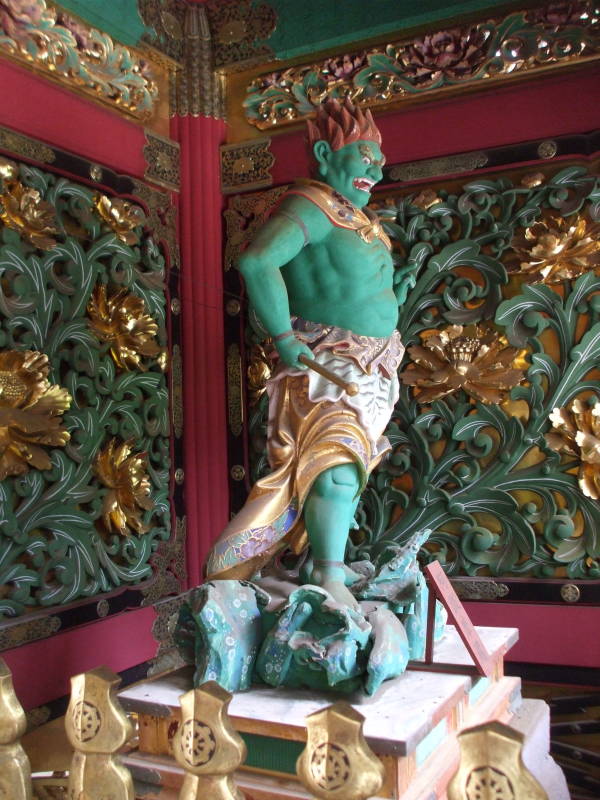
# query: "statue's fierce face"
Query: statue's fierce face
{"points": [[352, 170]]}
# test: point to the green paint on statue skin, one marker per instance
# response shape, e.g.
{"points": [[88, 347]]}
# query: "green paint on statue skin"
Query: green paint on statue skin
{"points": [[313, 26], [119, 18]]}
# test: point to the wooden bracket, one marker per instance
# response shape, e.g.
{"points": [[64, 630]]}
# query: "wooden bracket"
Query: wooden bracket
{"points": [[441, 589]]}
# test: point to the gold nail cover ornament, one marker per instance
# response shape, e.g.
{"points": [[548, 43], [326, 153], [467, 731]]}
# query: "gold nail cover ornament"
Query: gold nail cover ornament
{"points": [[337, 762], [207, 746], [97, 727], [15, 772], [491, 766]]}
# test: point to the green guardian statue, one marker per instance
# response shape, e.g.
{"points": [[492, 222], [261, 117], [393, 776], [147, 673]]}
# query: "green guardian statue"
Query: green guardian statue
{"points": [[319, 276]]}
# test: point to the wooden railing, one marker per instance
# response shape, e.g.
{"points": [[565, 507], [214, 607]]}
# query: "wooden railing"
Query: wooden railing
{"points": [[337, 763]]}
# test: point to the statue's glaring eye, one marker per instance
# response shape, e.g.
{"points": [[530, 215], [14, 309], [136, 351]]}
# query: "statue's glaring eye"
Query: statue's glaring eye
{"points": [[368, 156]]}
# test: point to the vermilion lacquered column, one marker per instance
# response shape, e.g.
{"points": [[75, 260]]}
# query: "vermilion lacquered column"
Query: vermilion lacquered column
{"points": [[205, 487]]}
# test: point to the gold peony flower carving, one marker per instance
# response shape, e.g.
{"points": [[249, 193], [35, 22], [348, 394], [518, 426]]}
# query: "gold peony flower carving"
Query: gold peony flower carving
{"points": [[479, 362], [121, 320], [30, 412], [23, 210], [556, 249], [122, 216], [259, 372], [123, 472], [577, 433]]}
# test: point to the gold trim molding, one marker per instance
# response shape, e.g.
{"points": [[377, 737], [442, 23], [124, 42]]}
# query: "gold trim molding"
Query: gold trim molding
{"points": [[162, 217], [244, 216], [162, 157], [197, 89], [29, 630], [235, 406], [20, 145], [437, 167], [482, 589], [177, 391], [169, 563], [68, 51], [167, 656], [239, 30], [246, 166], [519, 45]]}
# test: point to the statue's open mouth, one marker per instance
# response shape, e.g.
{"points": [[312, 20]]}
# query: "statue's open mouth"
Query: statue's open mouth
{"points": [[364, 184]]}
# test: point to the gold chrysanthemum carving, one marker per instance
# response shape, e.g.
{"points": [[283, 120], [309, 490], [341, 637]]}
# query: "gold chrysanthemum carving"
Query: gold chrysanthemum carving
{"points": [[576, 432], [31, 411], [259, 372], [556, 249], [479, 362], [123, 473], [120, 319], [23, 210], [122, 217]]}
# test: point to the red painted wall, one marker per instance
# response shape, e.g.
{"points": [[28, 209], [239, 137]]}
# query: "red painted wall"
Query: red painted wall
{"points": [[508, 115], [41, 109], [548, 634], [42, 670]]}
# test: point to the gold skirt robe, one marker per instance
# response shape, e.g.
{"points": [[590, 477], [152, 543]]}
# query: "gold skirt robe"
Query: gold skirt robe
{"points": [[313, 425]]}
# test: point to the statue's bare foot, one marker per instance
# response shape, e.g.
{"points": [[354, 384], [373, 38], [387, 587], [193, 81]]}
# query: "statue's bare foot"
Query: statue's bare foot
{"points": [[341, 594], [332, 579], [351, 577]]}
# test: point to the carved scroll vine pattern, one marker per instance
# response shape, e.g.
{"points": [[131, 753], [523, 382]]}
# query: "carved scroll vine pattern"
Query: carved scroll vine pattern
{"points": [[73, 52], [54, 547], [483, 476], [490, 50]]}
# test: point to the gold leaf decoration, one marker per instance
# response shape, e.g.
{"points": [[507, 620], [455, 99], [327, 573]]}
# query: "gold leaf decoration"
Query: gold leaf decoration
{"points": [[123, 472], [122, 217], [30, 412], [577, 433], [121, 320], [555, 249], [426, 199], [259, 372], [479, 362], [532, 179], [8, 169], [23, 210]]}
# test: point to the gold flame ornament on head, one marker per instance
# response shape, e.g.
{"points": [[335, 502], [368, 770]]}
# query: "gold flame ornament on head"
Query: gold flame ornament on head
{"points": [[30, 412], [120, 319], [479, 362], [577, 433], [123, 472], [122, 217], [23, 210], [555, 249]]}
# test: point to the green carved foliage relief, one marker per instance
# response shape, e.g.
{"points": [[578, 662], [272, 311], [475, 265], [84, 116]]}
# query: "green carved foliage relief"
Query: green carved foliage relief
{"points": [[501, 328], [91, 521]]}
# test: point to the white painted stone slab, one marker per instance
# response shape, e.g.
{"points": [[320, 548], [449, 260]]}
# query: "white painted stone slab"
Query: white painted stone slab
{"points": [[397, 718]]}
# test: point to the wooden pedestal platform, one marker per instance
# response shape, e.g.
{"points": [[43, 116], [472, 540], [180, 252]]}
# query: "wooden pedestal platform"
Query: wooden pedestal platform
{"points": [[411, 724]]}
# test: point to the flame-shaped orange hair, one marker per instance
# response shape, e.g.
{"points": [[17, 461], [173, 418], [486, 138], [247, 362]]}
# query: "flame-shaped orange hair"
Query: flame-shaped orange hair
{"points": [[341, 124]]}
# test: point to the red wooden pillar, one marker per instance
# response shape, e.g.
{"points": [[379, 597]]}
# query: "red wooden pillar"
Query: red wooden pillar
{"points": [[205, 481]]}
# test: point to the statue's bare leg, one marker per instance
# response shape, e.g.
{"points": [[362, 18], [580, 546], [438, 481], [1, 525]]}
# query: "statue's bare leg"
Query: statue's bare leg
{"points": [[328, 513]]}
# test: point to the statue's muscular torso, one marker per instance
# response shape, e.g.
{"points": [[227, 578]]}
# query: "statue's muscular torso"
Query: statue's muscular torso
{"points": [[339, 279]]}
